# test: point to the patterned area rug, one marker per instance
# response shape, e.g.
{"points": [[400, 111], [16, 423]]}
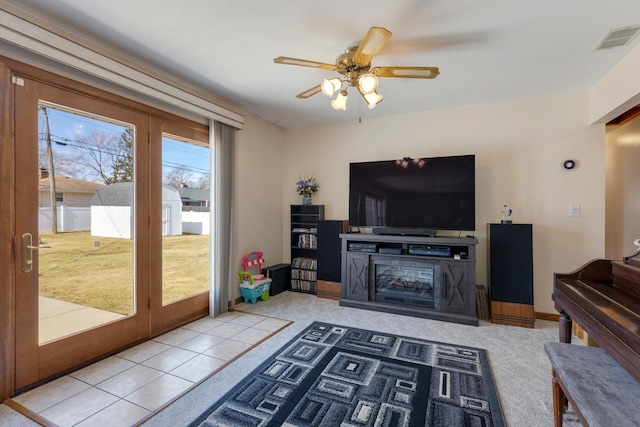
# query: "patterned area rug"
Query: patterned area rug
{"points": [[339, 376]]}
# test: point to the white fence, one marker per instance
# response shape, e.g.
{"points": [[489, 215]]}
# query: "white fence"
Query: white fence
{"points": [[69, 219], [112, 221], [196, 223], [79, 219]]}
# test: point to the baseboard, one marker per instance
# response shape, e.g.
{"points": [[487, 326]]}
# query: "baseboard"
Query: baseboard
{"points": [[335, 295], [547, 316], [237, 301]]}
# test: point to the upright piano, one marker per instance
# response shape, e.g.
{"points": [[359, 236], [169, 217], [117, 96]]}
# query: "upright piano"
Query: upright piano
{"points": [[603, 297]]}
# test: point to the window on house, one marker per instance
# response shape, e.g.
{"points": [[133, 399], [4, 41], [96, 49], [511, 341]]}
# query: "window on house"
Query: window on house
{"points": [[59, 197]]}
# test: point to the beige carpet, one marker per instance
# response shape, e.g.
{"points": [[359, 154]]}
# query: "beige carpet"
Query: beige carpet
{"points": [[521, 369]]}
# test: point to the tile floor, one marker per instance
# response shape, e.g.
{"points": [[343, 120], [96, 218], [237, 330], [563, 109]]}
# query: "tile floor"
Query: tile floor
{"points": [[127, 387]]}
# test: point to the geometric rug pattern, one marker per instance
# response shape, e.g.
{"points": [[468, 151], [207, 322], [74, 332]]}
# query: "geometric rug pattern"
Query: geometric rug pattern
{"points": [[333, 375]]}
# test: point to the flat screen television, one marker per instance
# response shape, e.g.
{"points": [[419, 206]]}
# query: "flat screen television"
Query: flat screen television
{"points": [[435, 193]]}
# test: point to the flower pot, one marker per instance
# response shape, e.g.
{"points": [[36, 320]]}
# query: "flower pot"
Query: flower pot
{"points": [[306, 200]]}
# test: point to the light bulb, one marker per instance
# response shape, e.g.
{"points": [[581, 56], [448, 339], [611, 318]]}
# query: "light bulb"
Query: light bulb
{"points": [[340, 103], [330, 86], [367, 83], [372, 99]]}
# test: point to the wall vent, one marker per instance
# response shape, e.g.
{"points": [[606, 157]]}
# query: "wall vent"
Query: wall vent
{"points": [[618, 37]]}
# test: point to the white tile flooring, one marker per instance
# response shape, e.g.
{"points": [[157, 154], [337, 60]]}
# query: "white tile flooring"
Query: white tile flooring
{"points": [[127, 387]]}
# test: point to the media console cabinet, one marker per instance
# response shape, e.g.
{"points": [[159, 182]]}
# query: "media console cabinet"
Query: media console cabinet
{"points": [[430, 277]]}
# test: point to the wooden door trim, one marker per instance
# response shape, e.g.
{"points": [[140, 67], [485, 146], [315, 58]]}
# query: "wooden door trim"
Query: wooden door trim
{"points": [[26, 284], [165, 317], [75, 86], [183, 311], [7, 237]]}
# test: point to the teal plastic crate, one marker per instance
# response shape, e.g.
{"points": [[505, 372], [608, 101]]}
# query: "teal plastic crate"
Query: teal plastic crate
{"points": [[251, 294], [252, 289]]}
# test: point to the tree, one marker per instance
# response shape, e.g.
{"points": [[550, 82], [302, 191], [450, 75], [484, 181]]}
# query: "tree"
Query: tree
{"points": [[123, 162], [178, 177], [203, 182], [65, 165], [97, 153]]}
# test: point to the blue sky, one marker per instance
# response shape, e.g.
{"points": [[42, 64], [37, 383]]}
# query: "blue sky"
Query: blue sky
{"points": [[68, 131]]}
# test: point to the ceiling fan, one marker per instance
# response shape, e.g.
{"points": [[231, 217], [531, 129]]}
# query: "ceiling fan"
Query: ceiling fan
{"points": [[355, 66]]}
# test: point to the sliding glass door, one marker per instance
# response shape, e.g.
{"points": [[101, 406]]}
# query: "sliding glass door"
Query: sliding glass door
{"points": [[79, 290], [186, 225], [110, 249]]}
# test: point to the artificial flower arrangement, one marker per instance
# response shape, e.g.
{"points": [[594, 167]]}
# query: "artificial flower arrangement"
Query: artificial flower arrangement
{"points": [[306, 187]]}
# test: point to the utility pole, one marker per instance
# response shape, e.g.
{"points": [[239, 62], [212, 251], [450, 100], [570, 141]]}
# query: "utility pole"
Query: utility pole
{"points": [[52, 175]]}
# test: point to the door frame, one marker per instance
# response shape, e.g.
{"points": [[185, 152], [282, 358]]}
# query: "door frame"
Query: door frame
{"points": [[7, 236], [148, 223], [34, 361]]}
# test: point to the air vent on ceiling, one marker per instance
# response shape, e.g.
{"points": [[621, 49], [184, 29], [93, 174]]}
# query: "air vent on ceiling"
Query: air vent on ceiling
{"points": [[618, 37]]}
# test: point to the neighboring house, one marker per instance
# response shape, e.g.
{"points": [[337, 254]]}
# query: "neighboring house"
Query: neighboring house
{"points": [[111, 214], [73, 198], [194, 197], [70, 192]]}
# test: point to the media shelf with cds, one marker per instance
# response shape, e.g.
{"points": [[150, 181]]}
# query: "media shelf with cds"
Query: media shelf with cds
{"points": [[304, 245], [431, 277], [304, 274]]}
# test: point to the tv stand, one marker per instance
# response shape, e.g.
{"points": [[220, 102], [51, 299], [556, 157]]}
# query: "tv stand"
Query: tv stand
{"points": [[399, 231], [437, 282]]}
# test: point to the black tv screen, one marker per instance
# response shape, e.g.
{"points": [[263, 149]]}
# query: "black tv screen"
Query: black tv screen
{"points": [[435, 193]]}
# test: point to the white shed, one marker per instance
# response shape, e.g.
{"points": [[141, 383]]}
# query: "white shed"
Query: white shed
{"points": [[112, 216]]}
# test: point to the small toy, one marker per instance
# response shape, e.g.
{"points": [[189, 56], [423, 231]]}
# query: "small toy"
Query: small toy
{"points": [[253, 286]]}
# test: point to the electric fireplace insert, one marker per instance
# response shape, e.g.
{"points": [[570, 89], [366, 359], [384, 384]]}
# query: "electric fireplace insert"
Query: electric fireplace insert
{"points": [[407, 282]]}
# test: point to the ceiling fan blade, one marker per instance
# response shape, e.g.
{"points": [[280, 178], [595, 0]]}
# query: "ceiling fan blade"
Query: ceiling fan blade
{"points": [[303, 62], [309, 92], [371, 45], [406, 72]]}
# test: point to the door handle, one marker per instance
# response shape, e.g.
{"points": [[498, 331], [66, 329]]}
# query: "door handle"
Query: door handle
{"points": [[27, 252]]}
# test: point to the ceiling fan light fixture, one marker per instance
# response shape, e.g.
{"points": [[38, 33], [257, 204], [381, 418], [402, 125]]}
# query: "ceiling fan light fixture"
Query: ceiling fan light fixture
{"points": [[368, 83], [340, 103], [372, 99], [355, 67], [330, 86]]}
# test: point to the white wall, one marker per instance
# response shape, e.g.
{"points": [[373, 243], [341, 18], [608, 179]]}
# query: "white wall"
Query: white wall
{"points": [[258, 180], [519, 148], [618, 91], [623, 191]]}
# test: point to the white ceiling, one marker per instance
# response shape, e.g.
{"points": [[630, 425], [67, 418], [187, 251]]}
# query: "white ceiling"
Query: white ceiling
{"points": [[488, 51]]}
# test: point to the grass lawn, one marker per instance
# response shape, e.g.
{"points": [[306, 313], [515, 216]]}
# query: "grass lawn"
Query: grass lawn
{"points": [[98, 271]]}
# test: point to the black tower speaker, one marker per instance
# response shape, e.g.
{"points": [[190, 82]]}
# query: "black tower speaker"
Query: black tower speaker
{"points": [[329, 247], [511, 273]]}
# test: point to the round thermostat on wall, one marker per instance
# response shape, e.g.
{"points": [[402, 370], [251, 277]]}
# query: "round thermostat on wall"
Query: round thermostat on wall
{"points": [[569, 164]]}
